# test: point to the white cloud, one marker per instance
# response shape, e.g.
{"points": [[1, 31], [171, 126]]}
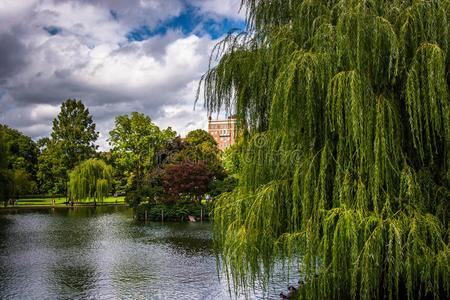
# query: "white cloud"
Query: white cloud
{"points": [[36, 130], [227, 8], [133, 13], [32, 120], [42, 112], [187, 118], [91, 24], [14, 11], [90, 58]]}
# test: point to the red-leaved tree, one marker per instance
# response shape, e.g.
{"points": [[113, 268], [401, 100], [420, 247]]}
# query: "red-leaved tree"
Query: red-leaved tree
{"points": [[187, 178]]}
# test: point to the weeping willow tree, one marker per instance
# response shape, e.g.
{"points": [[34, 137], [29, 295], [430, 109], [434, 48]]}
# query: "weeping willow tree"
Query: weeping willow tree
{"points": [[92, 179], [344, 111]]}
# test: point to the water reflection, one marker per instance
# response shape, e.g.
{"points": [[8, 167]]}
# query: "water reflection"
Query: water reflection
{"points": [[102, 253]]}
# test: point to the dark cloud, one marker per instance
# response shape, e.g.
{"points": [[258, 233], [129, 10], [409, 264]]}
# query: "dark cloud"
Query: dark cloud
{"points": [[63, 73], [157, 45], [136, 12], [12, 58]]}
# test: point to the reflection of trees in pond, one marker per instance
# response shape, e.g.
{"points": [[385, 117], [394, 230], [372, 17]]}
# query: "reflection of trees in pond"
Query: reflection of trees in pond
{"points": [[190, 246], [87, 212], [66, 255], [89, 243], [74, 276], [66, 231], [185, 237], [5, 223], [71, 269], [126, 271]]}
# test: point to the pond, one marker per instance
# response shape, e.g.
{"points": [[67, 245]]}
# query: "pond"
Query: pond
{"points": [[102, 253]]}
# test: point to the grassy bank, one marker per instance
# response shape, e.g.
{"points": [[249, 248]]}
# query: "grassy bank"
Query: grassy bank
{"points": [[61, 202]]}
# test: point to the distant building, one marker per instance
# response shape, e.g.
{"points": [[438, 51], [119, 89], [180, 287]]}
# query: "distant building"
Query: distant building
{"points": [[222, 131]]}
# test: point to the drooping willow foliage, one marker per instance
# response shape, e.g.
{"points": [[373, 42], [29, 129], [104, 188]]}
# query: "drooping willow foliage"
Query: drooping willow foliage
{"points": [[343, 108], [92, 179]]}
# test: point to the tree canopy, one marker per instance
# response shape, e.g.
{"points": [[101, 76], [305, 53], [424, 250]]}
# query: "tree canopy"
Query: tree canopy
{"points": [[201, 148], [200, 137], [92, 179], [187, 178], [346, 104], [72, 141], [136, 141], [21, 160], [5, 174], [23, 151], [74, 131]]}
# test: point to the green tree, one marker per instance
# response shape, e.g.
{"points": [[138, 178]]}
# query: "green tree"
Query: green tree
{"points": [[74, 132], [119, 184], [92, 179], [23, 184], [202, 148], [136, 141], [230, 161], [51, 173], [23, 151], [199, 147], [169, 151], [346, 163], [200, 137], [21, 161], [72, 141], [5, 173]]}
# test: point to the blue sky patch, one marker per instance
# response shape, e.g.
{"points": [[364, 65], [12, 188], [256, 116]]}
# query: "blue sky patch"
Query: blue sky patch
{"points": [[114, 14], [216, 29], [142, 33], [190, 21], [52, 30]]}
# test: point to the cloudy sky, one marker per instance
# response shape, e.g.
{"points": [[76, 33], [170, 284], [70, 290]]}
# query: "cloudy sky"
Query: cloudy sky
{"points": [[116, 56]]}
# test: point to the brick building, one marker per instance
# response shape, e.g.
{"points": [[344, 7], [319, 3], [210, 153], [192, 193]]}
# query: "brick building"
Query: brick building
{"points": [[222, 131]]}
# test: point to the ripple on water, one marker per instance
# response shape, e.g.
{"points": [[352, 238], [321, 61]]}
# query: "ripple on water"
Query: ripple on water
{"points": [[104, 254]]}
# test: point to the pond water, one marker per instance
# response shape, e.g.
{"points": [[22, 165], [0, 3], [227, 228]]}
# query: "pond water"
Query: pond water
{"points": [[102, 253]]}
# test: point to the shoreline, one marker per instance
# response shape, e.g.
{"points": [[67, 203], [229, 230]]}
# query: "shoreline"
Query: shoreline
{"points": [[30, 206]]}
